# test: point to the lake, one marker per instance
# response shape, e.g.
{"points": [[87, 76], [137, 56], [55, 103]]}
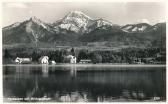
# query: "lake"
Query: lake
{"points": [[85, 83]]}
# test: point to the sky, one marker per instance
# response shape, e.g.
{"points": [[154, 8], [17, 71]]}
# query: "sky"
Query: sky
{"points": [[120, 13]]}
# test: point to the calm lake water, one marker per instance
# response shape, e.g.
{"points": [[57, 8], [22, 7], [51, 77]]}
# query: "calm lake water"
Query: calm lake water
{"points": [[83, 83]]}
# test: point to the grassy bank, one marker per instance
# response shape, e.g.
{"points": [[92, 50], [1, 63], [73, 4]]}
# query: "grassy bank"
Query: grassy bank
{"points": [[91, 65]]}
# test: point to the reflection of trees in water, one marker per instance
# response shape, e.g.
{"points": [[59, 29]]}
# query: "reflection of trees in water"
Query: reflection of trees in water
{"points": [[126, 96], [68, 84], [38, 90], [73, 97], [21, 72], [33, 91], [160, 83]]}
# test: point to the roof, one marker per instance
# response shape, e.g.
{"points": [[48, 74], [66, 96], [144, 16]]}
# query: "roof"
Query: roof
{"points": [[85, 60]]}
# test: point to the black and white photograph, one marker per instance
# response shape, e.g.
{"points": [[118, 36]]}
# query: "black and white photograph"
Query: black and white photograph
{"points": [[83, 51]]}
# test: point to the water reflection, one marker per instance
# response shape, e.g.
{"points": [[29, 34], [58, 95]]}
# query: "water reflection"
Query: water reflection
{"points": [[45, 70], [73, 71], [84, 84]]}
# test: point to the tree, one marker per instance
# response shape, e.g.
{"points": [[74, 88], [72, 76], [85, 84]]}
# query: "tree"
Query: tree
{"points": [[96, 58], [6, 54], [73, 51], [34, 56], [82, 55], [61, 56]]}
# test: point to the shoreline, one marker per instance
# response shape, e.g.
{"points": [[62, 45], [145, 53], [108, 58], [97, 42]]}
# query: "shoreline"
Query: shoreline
{"points": [[90, 65]]}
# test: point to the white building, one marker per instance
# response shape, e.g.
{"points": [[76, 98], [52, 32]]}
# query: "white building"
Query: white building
{"points": [[52, 62], [44, 60], [70, 59], [83, 61], [23, 60]]}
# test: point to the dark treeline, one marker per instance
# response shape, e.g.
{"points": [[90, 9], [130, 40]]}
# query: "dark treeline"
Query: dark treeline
{"points": [[129, 55]]}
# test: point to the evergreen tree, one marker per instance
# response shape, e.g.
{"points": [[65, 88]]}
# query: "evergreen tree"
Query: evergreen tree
{"points": [[6, 54], [73, 51]]}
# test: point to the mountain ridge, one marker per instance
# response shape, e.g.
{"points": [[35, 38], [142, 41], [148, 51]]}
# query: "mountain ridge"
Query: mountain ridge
{"points": [[78, 28]]}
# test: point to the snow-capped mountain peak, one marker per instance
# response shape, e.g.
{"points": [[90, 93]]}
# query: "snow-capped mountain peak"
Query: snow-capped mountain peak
{"points": [[80, 23], [78, 14], [75, 21], [38, 21], [102, 22], [34, 18]]}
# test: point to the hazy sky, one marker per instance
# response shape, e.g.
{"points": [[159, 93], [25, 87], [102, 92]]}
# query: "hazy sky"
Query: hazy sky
{"points": [[118, 13]]}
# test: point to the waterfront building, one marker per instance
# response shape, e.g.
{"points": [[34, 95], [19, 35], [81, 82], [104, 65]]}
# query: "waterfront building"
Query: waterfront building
{"points": [[19, 60], [44, 60], [70, 59], [83, 61]]}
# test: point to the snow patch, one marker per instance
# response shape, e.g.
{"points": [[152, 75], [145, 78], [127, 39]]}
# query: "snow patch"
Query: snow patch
{"points": [[142, 28], [128, 27], [79, 13], [71, 27], [102, 22], [28, 27], [135, 29], [37, 21]]}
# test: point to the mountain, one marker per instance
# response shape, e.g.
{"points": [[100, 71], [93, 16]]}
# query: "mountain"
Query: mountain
{"points": [[141, 27], [27, 31], [74, 21], [12, 26], [152, 36], [78, 29], [79, 23], [100, 23]]}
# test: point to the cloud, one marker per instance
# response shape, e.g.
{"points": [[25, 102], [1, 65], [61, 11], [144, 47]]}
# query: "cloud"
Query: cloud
{"points": [[16, 5], [30, 12], [161, 20], [145, 21]]}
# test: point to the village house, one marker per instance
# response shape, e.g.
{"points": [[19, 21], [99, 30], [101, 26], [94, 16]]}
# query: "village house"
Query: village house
{"points": [[44, 60], [52, 62], [149, 60], [160, 55], [70, 59], [136, 60], [83, 61], [160, 58], [19, 60]]}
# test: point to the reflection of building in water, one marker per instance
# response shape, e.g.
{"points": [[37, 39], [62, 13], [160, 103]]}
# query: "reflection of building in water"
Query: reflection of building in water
{"points": [[137, 94], [126, 95], [22, 71], [99, 99], [45, 70], [73, 70], [74, 97]]}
